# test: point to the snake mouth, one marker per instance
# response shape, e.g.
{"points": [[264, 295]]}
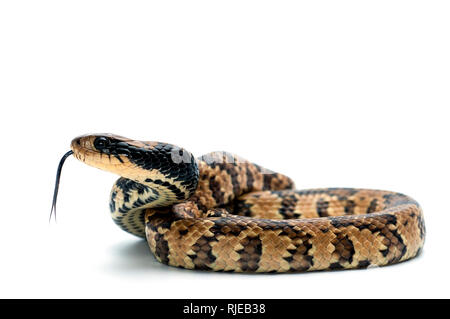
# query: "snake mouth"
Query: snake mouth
{"points": [[104, 151]]}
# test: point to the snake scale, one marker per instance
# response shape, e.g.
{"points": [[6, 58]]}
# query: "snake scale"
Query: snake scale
{"points": [[223, 213]]}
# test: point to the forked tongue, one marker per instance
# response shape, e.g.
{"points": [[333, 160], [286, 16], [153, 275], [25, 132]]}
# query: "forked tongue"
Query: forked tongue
{"points": [[58, 177]]}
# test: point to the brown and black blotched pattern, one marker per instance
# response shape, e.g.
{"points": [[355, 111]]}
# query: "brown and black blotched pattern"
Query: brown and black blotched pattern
{"points": [[223, 213], [243, 218]]}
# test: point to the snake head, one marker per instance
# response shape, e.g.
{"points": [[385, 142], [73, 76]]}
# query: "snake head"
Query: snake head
{"points": [[143, 162]]}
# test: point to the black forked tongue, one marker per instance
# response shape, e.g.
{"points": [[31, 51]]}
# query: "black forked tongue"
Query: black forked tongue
{"points": [[58, 177]]}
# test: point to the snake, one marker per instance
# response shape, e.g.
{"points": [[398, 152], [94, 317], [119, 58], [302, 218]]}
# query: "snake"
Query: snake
{"points": [[221, 212]]}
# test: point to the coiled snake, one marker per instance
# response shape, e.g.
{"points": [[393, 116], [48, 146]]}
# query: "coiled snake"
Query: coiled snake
{"points": [[220, 212]]}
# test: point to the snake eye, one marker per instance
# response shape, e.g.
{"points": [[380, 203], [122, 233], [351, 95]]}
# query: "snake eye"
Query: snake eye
{"points": [[101, 143]]}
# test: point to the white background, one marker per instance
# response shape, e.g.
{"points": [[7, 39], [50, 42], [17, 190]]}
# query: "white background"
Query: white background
{"points": [[331, 93]]}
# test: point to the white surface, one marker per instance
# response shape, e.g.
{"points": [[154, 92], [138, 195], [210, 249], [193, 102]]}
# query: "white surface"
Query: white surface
{"points": [[332, 93]]}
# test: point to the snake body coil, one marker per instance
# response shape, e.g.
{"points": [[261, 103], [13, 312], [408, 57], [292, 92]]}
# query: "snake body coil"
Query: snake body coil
{"points": [[222, 213]]}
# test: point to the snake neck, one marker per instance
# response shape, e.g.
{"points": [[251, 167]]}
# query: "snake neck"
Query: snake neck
{"points": [[154, 178], [129, 201]]}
